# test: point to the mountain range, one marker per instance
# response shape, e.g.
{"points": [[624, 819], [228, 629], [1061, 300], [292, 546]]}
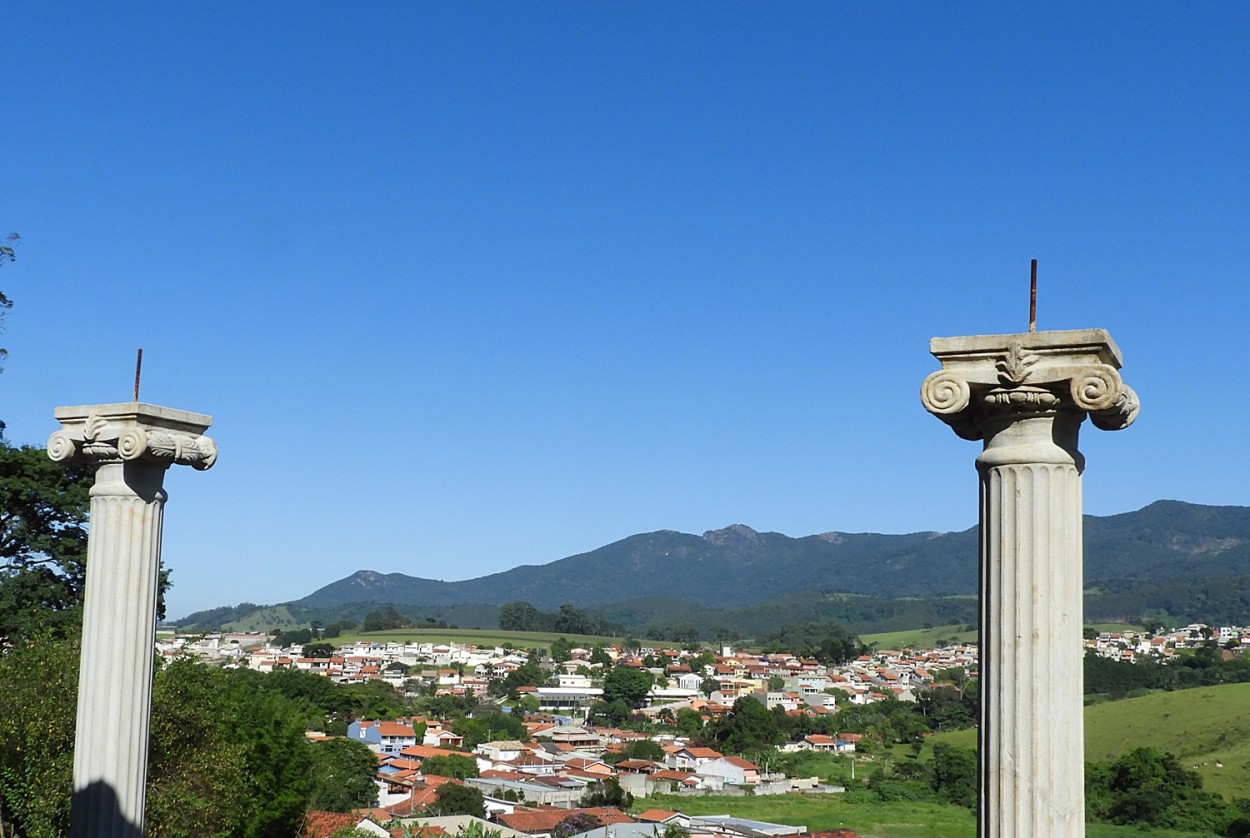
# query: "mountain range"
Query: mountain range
{"points": [[1133, 563]]}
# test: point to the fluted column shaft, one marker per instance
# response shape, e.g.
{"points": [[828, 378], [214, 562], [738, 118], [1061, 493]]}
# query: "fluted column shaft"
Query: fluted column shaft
{"points": [[1031, 734], [119, 634]]}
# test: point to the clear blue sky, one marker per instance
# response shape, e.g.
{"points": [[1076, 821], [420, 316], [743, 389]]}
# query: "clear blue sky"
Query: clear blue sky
{"points": [[473, 285]]}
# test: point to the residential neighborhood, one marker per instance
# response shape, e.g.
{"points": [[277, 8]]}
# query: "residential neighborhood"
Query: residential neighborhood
{"points": [[568, 753]]}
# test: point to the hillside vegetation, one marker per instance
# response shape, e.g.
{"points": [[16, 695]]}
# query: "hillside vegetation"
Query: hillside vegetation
{"points": [[1208, 728], [479, 637], [1171, 561]]}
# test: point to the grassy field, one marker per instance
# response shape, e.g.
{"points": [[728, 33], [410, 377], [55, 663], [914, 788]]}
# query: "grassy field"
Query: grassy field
{"points": [[870, 820], [939, 635], [272, 618], [480, 637], [929, 638], [1114, 627], [1207, 728]]}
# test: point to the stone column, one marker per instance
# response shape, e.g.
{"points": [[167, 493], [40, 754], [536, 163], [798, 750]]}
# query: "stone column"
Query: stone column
{"points": [[1025, 397], [130, 445]]}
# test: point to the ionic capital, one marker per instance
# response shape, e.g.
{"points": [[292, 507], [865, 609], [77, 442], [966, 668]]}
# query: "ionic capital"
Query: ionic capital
{"points": [[130, 432], [989, 377]]}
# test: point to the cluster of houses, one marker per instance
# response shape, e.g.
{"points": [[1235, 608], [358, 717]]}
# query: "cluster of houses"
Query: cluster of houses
{"points": [[1129, 645], [788, 681], [542, 823], [531, 787]]}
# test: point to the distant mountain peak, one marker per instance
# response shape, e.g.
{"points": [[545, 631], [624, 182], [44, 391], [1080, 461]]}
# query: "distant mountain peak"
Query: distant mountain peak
{"points": [[734, 536]]}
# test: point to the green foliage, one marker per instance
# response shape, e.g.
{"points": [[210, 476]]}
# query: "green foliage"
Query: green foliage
{"points": [[278, 762], [290, 638], [227, 757], [43, 542], [608, 713], [525, 675], [624, 683], [1150, 788], [644, 749], [489, 724], [748, 726], [689, 722], [384, 620], [955, 774], [40, 679], [343, 773], [457, 799], [1206, 667], [198, 779], [452, 765], [607, 793], [572, 620], [560, 649], [827, 642], [521, 616], [478, 829]]}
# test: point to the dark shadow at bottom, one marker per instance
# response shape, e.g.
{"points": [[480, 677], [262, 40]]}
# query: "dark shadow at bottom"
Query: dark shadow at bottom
{"points": [[95, 812]]}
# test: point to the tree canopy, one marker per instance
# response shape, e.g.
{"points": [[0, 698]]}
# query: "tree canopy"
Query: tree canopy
{"points": [[228, 756], [827, 642], [458, 799], [624, 683], [43, 541]]}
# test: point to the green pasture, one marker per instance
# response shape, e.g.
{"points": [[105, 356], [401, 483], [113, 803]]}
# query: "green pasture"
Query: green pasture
{"points": [[869, 820], [923, 638], [1114, 628], [930, 638], [1207, 728]]}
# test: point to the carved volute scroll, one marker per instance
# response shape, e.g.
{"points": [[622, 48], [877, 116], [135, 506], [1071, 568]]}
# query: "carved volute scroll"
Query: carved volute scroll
{"points": [[987, 377], [130, 432]]}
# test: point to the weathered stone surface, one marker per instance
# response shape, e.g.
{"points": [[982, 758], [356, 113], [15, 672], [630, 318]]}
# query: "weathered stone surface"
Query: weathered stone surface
{"points": [[1025, 397], [130, 445]]}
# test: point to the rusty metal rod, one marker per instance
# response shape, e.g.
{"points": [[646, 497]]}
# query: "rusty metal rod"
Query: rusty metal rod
{"points": [[1033, 297], [138, 369]]}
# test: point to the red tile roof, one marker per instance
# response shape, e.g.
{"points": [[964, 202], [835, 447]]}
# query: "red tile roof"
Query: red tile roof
{"points": [[656, 815], [322, 824], [545, 820]]}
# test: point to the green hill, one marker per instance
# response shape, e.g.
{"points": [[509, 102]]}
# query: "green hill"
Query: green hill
{"points": [[1175, 561], [1207, 728]]}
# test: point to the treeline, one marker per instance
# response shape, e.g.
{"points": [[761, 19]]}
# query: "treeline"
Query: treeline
{"points": [[1143, 788], [1218, 600], [228, 754], [568, 619], [828, 642], [1149, 788], [228, 751], [1206, 667], [669, 618]]}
